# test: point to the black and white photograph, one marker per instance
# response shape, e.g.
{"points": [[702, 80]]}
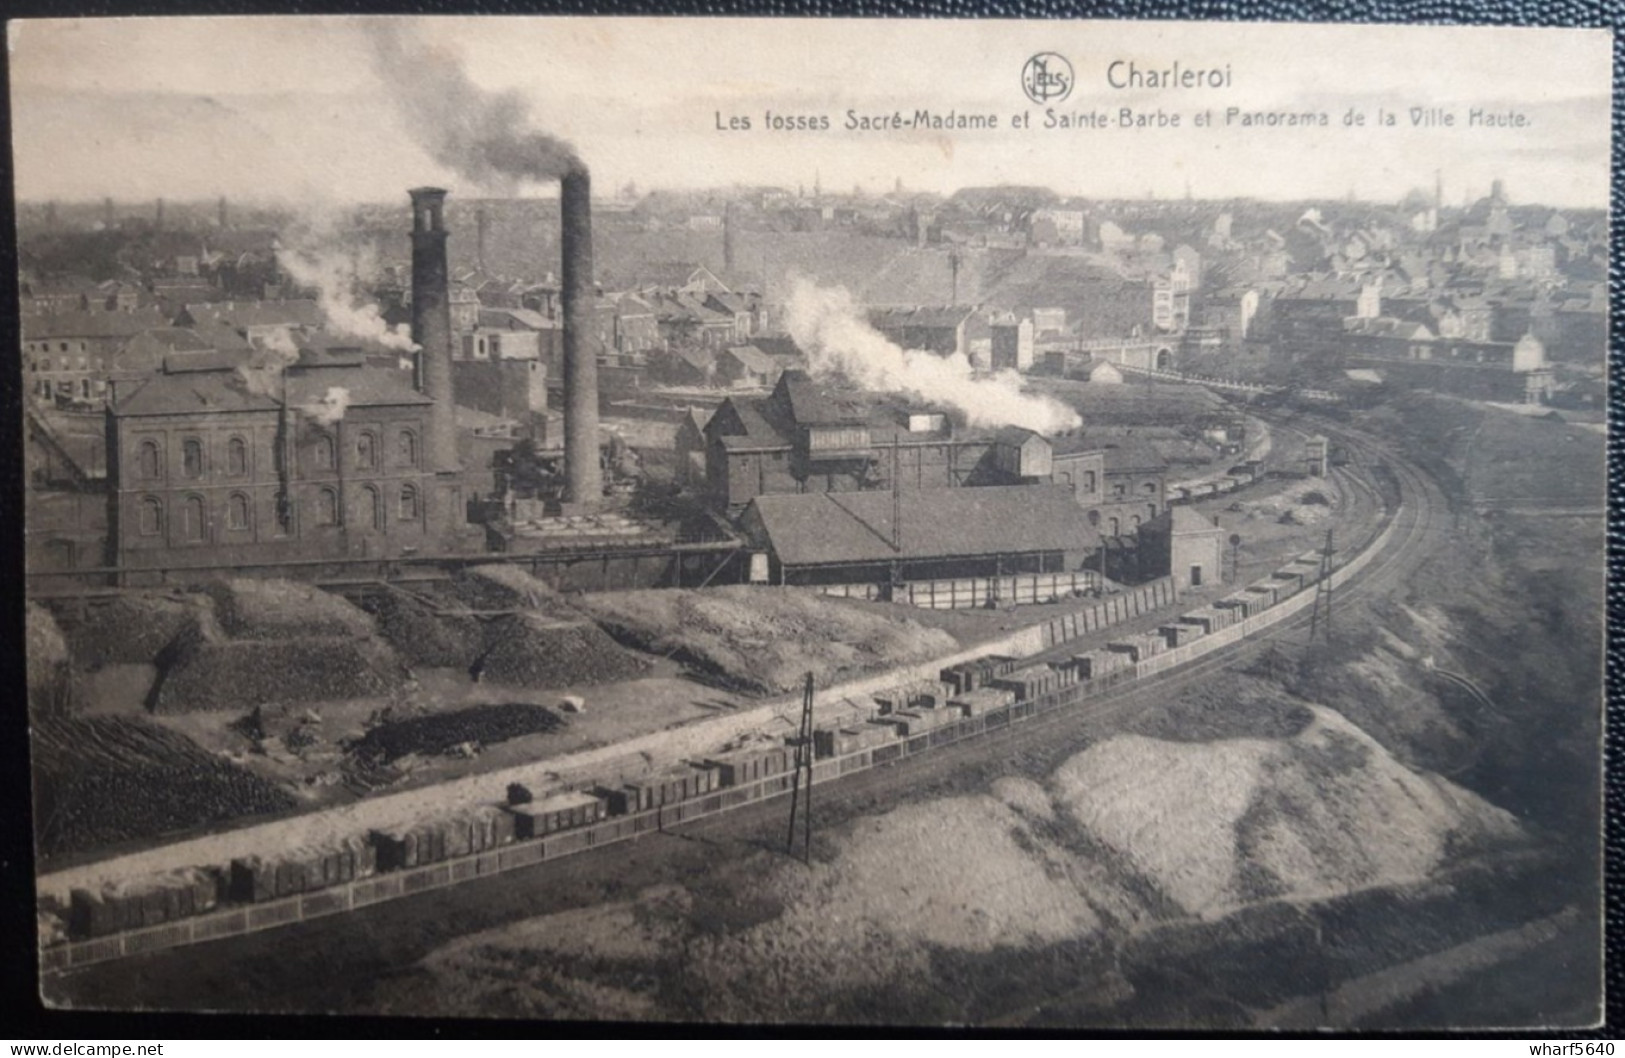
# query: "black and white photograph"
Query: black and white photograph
{"points": [[1026, 525]]}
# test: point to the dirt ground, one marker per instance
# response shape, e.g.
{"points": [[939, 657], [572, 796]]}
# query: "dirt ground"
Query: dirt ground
{"points": [[1321, 850], [892, 915]]}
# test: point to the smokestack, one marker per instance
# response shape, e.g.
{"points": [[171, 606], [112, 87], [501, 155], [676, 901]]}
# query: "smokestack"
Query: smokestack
{"points": [[431, 323], [482, 224], [223, 214], [584, 483], [728, 239]]}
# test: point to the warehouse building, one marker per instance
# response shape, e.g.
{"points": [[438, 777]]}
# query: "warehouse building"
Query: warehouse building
{"points": [[889, 539]]}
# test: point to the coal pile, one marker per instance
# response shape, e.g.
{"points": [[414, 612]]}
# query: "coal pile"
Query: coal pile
{"points": [[424, 637], [501, 587], [205, 670], [128, 629], [50, 677], [280, 609], [532, 651], [103, 780], [434, 735]]}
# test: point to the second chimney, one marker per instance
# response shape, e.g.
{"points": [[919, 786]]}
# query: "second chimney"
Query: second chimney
{"points": [[431, 323], [584, 486]]}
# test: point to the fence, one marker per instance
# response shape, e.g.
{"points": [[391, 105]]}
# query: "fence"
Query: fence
{"points": [[350, 895], [969, 593]]}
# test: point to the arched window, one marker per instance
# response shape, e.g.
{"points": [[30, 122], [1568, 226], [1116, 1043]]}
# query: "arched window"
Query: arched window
{"points": [[327, 506], [366, 451], [237, 457], [409, 503], [1113, 526], [1134, 521], [150, 460], [192, 457], [237, 512], [1149, 488], [84, 389], [152, 516], [372, 506], [1094, 519], [407, 447], [192, 518], [1151, 509], [1088, 481], [321, 452]]}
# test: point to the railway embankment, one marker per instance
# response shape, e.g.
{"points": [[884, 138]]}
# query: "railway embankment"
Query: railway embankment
{"points": [[324, 877]]}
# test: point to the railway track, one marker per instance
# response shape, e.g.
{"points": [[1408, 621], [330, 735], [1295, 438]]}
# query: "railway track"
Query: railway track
{"points": [[1034, 746]]}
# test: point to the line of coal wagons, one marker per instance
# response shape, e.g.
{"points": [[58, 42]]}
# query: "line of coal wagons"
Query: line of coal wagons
{"points": [[967, 699]]}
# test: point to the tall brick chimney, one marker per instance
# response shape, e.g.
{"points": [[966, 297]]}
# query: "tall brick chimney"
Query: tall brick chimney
{"points": [[482, 228], [728, 240], [584, 486], [431, 323]]}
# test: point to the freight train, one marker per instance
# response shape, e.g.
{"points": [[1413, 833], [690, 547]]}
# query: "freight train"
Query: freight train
{"points": [[967, 699]]}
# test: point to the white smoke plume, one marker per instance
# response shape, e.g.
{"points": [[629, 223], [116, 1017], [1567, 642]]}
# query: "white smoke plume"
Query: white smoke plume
{"points": [[336, 276], [826, 323], [330, 408], [485, 137], [262, 372]]}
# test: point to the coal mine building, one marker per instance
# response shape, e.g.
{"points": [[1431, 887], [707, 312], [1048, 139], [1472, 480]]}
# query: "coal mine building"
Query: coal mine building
{"points": [[805, 437], [888, 539], [207, 471]]}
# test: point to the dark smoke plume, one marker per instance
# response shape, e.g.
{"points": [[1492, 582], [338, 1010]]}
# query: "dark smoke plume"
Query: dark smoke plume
{"points": [[485, 137]]}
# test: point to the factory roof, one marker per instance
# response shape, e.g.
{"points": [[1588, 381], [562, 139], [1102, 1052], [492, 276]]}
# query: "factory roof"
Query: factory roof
{"points": [[846, 528], [1185, 520], [814, 405], [91, 324], [198, 392], [301, 312], [921, 316], [515, 320], [753, 358], [1134, 456], [192, 393]]}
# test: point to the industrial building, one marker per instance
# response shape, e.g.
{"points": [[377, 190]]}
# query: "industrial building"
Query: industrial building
{"points": [[213, 462], [888, 539], [207, 472]]}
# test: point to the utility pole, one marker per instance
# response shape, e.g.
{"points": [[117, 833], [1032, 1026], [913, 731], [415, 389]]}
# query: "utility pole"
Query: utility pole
{"points": [[803, 765], [1323, 593], [896, 494]]}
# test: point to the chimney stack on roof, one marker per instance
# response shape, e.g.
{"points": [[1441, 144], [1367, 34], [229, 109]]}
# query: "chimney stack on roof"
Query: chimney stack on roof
{"points": [[482, 225]]}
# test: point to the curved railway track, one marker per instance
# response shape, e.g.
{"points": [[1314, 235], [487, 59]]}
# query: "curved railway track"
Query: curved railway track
{"points": [[395, 934]]}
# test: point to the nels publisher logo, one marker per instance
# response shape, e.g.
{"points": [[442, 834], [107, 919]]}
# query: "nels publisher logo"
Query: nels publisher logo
{"points": [[1047, 78]]}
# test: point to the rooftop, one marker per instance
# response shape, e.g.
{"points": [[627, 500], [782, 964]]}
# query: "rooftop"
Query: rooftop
{"points": [[807, 529]]}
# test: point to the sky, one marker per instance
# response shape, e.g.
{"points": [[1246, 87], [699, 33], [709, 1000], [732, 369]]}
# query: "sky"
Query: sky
{"points": [[295, 108]]}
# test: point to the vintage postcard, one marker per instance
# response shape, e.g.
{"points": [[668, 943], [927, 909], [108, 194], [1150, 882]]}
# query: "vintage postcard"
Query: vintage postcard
{"points": [[885, 522]]}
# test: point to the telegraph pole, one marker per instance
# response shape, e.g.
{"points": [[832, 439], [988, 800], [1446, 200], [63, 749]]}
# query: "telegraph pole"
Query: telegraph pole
{"points": [[1323, 593], [803, 765]]}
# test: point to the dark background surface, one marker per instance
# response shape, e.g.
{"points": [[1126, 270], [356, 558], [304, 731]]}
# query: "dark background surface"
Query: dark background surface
{"points": [[23, 1017]]}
